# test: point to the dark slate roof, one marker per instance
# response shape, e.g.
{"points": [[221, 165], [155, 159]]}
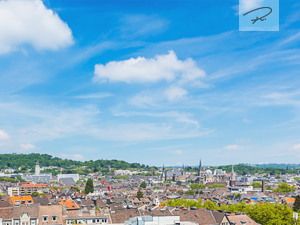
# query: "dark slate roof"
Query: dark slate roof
{"points": [[40, 200], [171, 173], [67, 181]]}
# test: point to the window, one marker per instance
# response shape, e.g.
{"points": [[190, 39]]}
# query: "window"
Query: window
{"points": [[45, 218], [29, 201], [54, 218], [22, 202], [94, 221], [17, 202], [32, 223], [17, 222]]}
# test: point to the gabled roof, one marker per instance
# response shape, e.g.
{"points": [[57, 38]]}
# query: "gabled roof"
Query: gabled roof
{"points": [[33, 211], [67, 181]]}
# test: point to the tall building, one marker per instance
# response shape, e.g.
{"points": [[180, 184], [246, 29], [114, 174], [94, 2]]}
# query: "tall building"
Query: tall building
{"points": [[37, 168], [38, 176]]}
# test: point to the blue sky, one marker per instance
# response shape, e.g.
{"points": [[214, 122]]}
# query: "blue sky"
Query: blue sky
{"points": [[149, 81]]}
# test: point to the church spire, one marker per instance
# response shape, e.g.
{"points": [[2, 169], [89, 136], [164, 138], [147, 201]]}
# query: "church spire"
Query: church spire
{"points": [[182, 169], [163, 171], [232, 173], [200, 168]]}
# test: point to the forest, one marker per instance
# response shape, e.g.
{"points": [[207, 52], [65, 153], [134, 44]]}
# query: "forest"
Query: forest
{"points": [[24, 162]]}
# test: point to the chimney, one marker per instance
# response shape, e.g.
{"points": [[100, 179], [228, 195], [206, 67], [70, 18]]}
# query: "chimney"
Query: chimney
{"points": [[64, 211], [80, 212], [263, 186]]}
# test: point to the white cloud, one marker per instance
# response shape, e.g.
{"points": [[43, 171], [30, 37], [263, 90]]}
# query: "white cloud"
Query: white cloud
{"points": [[4, 136], [247, 5], [94, 95], [296, 147], [30, 22], [180, 117], [233, 147], [142, 25], [139, 70], [178, 152], [73, 157], [27, 146], [174, 93]]}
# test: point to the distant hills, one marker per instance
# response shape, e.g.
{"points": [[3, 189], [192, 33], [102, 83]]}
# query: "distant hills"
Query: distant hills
{"points": [[25, 161]]}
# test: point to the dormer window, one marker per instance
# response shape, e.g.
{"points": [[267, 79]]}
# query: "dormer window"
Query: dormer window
{"points": [[45, 218]]}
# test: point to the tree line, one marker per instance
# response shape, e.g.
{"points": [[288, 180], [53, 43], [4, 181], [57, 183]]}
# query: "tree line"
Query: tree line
{"points": [[24, 162]]}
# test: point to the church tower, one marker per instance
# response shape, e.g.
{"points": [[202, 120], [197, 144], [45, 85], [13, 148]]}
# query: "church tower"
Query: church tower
{"points": [[163, 174], [232, 177], [37, 169], [200, 174]]}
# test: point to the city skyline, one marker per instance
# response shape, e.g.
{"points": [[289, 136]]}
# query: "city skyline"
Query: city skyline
{"points": [[154, 83]]}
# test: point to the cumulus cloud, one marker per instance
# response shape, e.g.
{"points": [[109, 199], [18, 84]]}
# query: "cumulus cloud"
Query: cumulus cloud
{"points": [[139, 70], [30, 22], [4, 136], [174, 93], [27, 146], [247, 121], [178, 152], [233, 147], [74, 157]]}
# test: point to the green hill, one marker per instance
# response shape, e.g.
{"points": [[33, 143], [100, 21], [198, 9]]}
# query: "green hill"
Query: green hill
{"points": [[24, 162]]}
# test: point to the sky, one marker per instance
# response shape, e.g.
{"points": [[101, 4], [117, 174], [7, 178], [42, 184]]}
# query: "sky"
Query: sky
{"points": [[155, 82]]}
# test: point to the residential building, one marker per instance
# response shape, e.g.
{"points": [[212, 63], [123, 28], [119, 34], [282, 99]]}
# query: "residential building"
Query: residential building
{"points": [[31, 188], [26, 215], [13, 191], [52, 214]]}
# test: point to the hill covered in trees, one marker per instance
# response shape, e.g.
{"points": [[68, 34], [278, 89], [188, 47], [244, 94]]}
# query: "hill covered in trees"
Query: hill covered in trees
{"points": [[244, 169], [23, 162]]}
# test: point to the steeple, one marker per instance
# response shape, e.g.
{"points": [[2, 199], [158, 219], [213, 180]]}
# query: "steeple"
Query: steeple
{"points": [[200, 168], [232, 177], [182, 169], [163, 171], [232, 173]]}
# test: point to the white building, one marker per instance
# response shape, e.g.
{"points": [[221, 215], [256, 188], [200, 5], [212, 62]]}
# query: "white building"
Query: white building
{"points": [[13, 191], [154, 220]]}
